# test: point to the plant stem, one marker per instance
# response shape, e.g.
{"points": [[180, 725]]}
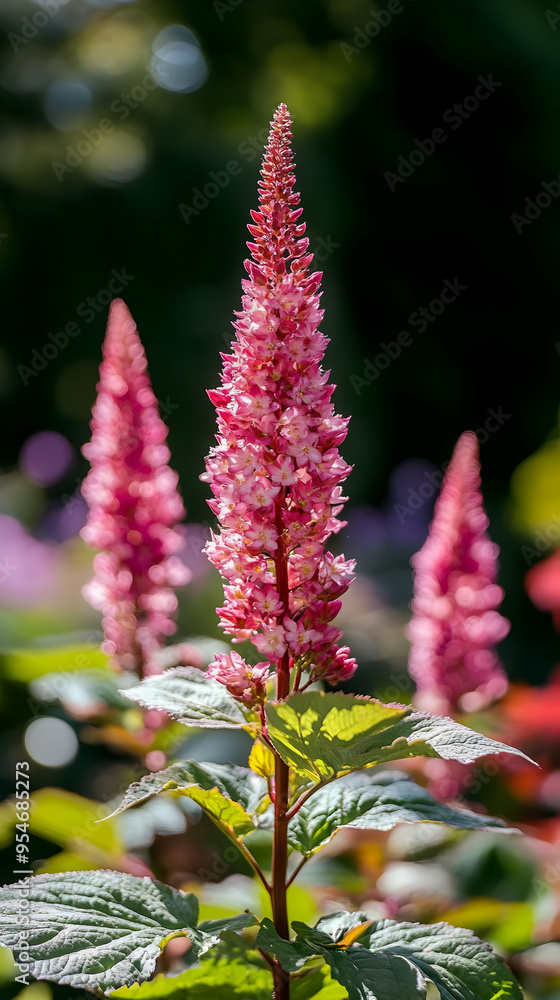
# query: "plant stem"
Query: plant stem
{"points": [[281, 773]]}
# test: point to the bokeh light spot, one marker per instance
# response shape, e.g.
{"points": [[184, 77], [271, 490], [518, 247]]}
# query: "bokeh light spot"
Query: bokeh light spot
{"points": [[178, 63], [67, 104], [51, 742], [46, 457], [120, 158]]}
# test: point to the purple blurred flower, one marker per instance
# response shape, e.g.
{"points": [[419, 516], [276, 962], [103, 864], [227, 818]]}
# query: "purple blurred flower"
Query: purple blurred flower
{"points": [[46, 457], [27, 567]]}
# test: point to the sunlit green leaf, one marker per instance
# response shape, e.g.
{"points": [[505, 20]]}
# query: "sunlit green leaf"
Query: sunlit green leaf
{"points": [[100, 930], [375, 975], [375, 800], [460, 965], [228, 793], [190, 696], [220, 979], [395, 960], [324, 735]]}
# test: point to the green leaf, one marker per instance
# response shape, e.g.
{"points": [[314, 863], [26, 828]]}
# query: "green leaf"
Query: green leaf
{"points": [[291, 954], [375, 976], [216, 979], [190, 696], [374, 801], [102, 929], [228, 793], [460, 965], [325, 735]]}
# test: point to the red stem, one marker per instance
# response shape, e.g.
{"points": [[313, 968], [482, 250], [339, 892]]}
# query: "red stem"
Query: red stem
{"points": [[281, 796]]}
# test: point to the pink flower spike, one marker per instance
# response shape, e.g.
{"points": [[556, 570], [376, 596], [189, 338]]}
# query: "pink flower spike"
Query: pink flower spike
{"points": [[134, 505], [455, 622], [275, 472], [245, 682]]}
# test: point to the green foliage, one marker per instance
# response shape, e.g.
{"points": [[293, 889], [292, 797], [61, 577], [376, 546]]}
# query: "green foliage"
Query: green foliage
{"points": [[374, 801], [189, 696], [230, 795], [238, 784], [389, 960], [28, 664], [100, 930], [216, 979], [326, 735]]}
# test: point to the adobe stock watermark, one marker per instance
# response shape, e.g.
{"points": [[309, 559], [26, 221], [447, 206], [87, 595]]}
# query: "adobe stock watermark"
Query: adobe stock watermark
{"points": [[426, 491], [31, 26], [553, 18], [454, 116], [534, 208], [221, 179], [420, 319], [370, 30], [543, 540], [86, 310], [223, 7], [93, 137]]}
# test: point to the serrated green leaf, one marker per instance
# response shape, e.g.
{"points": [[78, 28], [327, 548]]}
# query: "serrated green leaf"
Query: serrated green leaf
{"points": [[102, 929], [376, 975], [239, 784], [460, 965], [292, 955], [228, 793], [221, 979], [323, 735], [374, 801], [190, 696]]}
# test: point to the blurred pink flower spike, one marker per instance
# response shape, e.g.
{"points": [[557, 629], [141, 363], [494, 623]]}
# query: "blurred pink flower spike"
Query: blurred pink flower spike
{"points": [[276, 470], [134, 505], [455, 622]]}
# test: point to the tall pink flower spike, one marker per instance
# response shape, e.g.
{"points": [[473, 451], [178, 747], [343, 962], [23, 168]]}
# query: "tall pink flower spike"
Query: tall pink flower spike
{"points": [[134, 505], [276, 470], [455, 624]]}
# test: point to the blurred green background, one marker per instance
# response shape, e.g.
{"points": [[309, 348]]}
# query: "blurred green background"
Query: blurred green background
{"points": [[130, 138]]}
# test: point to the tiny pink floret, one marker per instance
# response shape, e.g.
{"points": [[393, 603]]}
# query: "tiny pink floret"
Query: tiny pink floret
{"points": [[455, 622], [276, 470], [134, 505]]}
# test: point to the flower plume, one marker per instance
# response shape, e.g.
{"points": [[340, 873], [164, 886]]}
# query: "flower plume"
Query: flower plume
{"points": [[134, 504], [455, 622], [276, 471]]}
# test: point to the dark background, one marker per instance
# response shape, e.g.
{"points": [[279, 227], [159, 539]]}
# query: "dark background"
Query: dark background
{"points": [[359, 106]]}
